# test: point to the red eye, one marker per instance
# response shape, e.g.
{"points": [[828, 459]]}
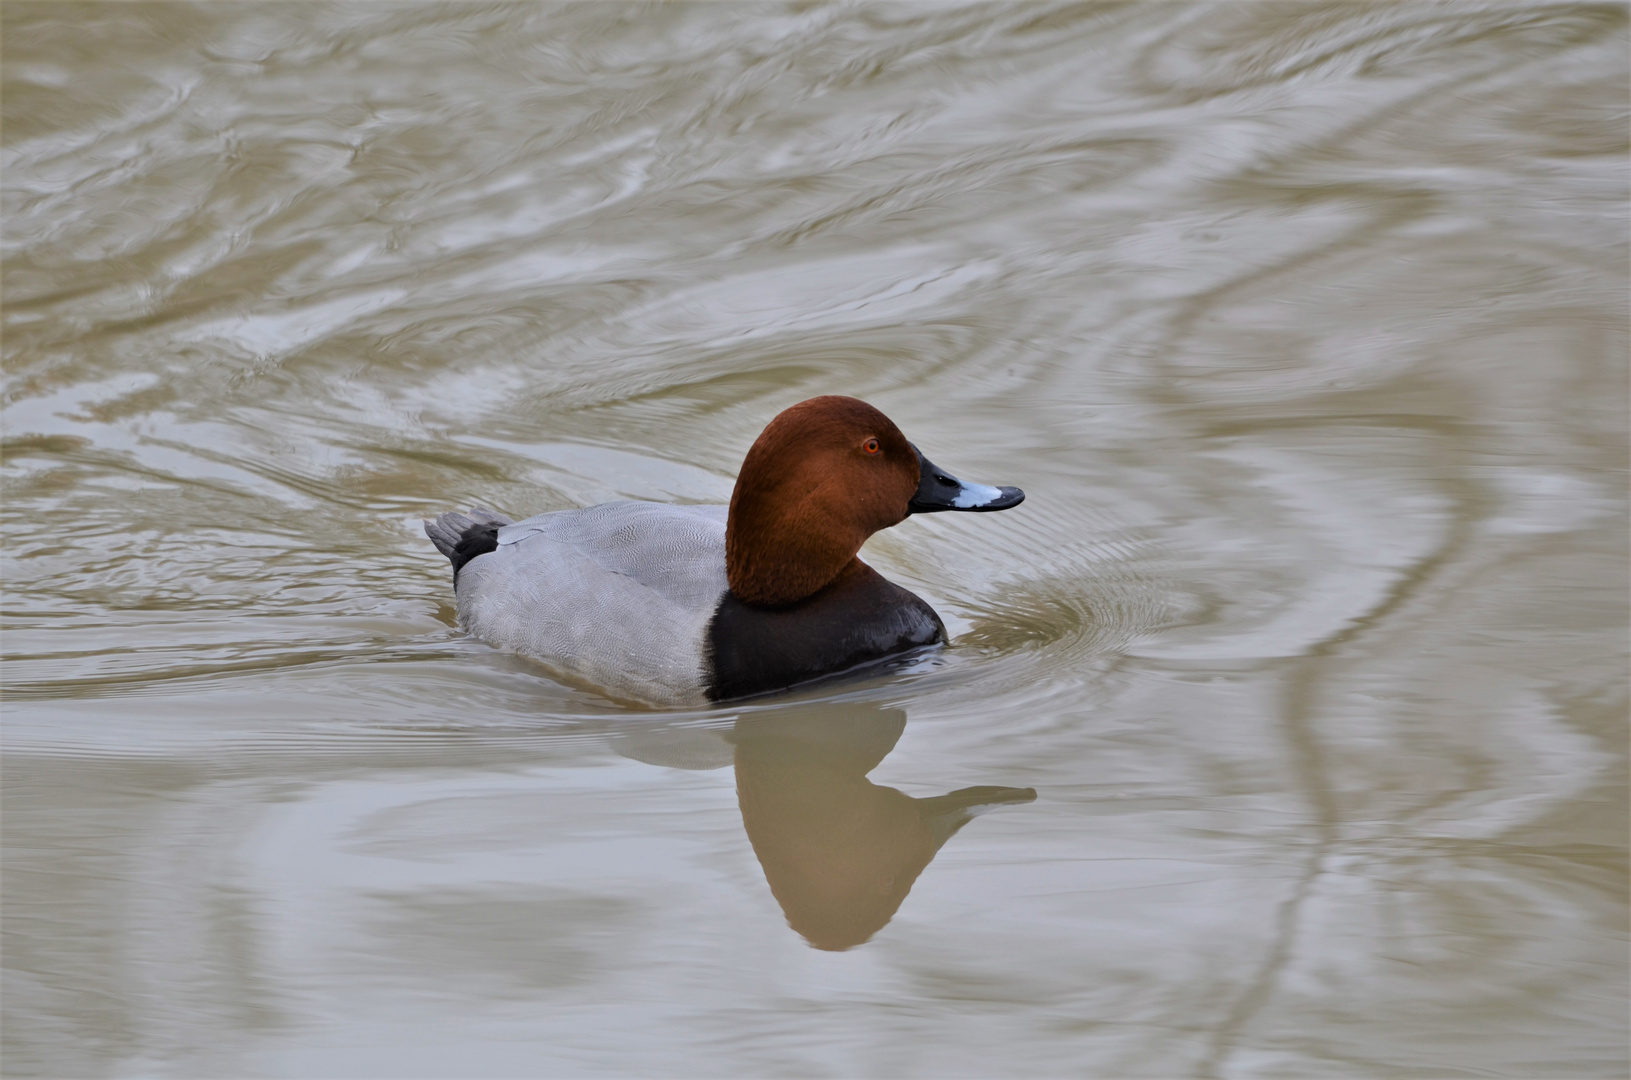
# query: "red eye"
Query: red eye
{"points": [[870, 446]]}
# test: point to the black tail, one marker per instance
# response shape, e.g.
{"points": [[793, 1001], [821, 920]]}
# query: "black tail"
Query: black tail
{"points": [[461, 537]]}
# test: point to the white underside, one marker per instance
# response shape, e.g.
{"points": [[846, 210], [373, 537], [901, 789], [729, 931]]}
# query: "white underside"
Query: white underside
{"points": [[619, 595]]}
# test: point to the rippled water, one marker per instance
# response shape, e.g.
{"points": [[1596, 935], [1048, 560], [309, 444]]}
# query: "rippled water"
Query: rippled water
{"points": [[1296, 691]]}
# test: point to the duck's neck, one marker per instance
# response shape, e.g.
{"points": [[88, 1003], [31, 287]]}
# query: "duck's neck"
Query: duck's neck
{"points": [[774, 564]]}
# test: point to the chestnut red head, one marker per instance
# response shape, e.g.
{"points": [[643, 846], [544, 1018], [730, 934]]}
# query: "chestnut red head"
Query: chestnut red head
{"points": [[822, 477]]}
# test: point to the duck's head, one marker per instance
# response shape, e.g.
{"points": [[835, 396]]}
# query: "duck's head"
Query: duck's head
{"points": [[822, 477]]}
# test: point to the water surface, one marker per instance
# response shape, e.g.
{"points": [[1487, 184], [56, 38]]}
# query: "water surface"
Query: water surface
{"points": [[1284, 730]]}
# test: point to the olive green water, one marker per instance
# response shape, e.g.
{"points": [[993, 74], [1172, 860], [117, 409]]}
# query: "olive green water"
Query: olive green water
{"points": [[1303, 327]]}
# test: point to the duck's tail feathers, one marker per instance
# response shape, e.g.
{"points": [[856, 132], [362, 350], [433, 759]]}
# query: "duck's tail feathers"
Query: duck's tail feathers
{"points": [[461, 537]]}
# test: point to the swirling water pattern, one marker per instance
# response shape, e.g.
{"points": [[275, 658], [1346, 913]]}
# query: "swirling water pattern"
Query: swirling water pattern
{"points": [[1303, 326]]}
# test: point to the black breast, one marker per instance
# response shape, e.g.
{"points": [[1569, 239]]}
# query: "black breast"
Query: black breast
{"points": [[858, 618]]}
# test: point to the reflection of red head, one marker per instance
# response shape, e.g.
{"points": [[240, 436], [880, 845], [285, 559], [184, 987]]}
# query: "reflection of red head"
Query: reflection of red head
{"points": [[840, 852]]}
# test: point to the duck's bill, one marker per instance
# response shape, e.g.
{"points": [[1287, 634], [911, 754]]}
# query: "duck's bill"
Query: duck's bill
{"points": [[939, 490]]}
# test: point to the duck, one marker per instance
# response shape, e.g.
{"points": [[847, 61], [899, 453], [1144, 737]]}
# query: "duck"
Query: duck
{"points": [[678, 605]]}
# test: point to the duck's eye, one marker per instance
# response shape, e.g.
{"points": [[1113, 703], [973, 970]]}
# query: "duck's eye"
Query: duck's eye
{"points": [[871, 446]]}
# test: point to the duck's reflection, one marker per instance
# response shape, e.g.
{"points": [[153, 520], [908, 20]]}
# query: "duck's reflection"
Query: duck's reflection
{"points": [[840, 852]]}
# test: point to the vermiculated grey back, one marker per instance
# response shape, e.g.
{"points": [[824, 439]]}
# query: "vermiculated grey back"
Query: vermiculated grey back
{"points": [[621, 593]]}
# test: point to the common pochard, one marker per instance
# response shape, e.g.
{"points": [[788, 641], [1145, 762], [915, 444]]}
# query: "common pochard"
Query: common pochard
{"points": [[689, 604]]}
